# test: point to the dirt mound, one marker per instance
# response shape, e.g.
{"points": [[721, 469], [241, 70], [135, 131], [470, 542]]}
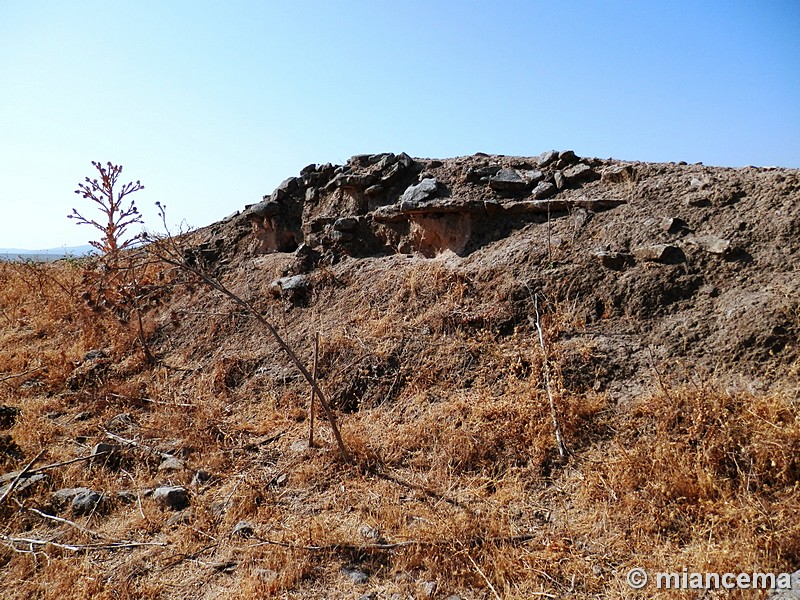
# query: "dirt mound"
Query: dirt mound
{"points": [[689, 268], [154, 438]]}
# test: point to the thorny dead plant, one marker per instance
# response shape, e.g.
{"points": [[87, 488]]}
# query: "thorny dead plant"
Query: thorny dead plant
{"points": [[167, 250], [111, 203]]}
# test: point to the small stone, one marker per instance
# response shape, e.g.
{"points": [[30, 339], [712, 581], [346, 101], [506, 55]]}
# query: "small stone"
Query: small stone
{"points": [[560, 181], [508, 180], [244, 529], [23, 484], [698, 202], [711, 244], [533, 176], [8, 416], [201, 478], [580, 218], [86, 501], [281, 479], [544, 189], [619, 174], [106, 455], [126, 496], [662, 253], [172, 463], [427, 188], [567, 156], [368, 596], [308, 169], [356, 575], [429, 588], [348, 224], [674, 225], [121, 422], [373, 190], [613, 260], [173, 497], [65, 495], [294, 288], [476, 174], [95, 354]]}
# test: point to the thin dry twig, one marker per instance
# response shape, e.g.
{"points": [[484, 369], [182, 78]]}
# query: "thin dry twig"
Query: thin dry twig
{"points": [[172, 255], [11, 540], [313, 394], [15, 375], [19, 476], [69, 462], [562, 448], [482, 574], [73, 524]]}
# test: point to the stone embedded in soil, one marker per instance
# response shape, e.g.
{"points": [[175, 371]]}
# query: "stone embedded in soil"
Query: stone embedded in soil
{"points": [[711, 244], [355, 575], [662, 253], [414, 194], [674, 225], [24, 483], [508, 180], [86, 501], [172, 463], [578, 173], [173, 497], [8, 416], [544, 189], [244, 529], [82, 500], [201, 478]]}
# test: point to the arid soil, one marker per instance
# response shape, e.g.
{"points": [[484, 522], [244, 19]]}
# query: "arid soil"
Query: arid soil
{"points": [[668, 301]]}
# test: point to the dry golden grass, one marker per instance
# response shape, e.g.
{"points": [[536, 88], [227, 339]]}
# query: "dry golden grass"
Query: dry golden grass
{"points": [[456, 478]]}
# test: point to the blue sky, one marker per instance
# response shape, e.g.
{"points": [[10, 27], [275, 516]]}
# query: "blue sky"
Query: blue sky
{"points": [[212, 104]]}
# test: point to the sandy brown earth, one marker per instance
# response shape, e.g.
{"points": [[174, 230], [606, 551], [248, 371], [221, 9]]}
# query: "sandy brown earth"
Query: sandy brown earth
{"points": [[667, 296]]}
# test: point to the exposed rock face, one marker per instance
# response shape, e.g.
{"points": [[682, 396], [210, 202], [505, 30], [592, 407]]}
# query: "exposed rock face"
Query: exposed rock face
{"points": [[387, 203]]}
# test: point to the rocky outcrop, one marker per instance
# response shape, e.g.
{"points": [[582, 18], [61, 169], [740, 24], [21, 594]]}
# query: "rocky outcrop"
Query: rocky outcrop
{"points": [[387, 203]]}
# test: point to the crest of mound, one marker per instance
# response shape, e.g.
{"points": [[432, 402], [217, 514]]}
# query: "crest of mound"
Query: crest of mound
{"points": [[659, 263]]}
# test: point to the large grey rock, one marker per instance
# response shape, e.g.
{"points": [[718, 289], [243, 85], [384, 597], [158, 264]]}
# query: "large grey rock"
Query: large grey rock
{"points": [[547, 158], [544, 189], [173, 497], [578, 173], [82, 500], [86, 501], [414, 194], [508, 180], [476, 174]]}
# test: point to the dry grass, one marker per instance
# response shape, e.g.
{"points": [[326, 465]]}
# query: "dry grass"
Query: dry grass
{"points": [[457, 480]]}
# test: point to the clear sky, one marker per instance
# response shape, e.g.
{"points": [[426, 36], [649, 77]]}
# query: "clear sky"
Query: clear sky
{"points": [[212, 104]]}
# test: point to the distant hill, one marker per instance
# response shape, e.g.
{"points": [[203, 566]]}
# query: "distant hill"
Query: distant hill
{"points": [[46, 255]]}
